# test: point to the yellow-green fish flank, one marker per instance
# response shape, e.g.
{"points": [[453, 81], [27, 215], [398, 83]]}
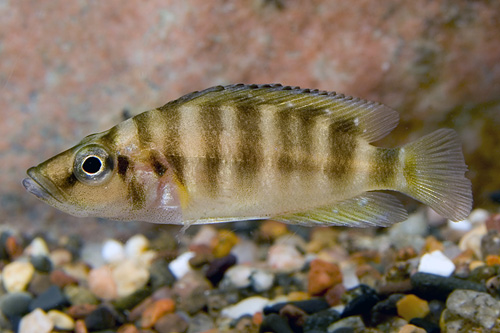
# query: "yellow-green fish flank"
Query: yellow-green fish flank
{"points": [[253, 152]]}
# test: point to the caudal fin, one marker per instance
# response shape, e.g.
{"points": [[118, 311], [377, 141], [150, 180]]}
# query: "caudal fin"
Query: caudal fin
{"points": [[434, 170]]}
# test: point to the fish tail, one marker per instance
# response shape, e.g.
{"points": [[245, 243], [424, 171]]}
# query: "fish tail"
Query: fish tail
{"points": [[434, 173]]}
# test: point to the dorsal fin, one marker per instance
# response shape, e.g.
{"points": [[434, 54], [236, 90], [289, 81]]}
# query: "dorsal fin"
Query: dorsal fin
{"points": [[374, 120]]}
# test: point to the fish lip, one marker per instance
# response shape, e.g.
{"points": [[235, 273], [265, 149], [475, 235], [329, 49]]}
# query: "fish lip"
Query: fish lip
{"points": [[40, 186]]}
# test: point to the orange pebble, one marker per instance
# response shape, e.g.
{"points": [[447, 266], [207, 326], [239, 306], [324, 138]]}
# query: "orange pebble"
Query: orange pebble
{"points": [[411, 306], [258, 318], [322, 275], [155, 311], [13, 248], [127, 328], [492, 260], [432, 244], [80, 326], [297, 296], [224, 242]]}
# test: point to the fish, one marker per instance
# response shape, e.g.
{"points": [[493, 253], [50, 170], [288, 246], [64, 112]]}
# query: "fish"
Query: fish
{"points": [[246, 152]]}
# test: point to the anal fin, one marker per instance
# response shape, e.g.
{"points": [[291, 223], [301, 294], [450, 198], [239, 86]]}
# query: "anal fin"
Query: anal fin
{"points": [[371, 209]]}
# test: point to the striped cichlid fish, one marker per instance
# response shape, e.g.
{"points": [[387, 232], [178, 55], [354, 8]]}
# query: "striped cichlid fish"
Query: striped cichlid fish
{"points": [[243, 152]]}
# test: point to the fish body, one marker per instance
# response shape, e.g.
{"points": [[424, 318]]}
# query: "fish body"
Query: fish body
{"points": [[243, 152]]}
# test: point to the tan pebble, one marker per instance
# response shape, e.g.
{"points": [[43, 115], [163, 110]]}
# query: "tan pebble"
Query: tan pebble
{"points": [[127, 328], [298, 296], [272, 229], [80, 326], [102, 284], [155, 311], [129, 276], [472, 240], [36, 321], [37, 247], [409, 328], [172, 322], [205, 236], [78, 270], [60, 257], [432, 244], [81, 311], [322, 275], [136, 245], [493, 222], [61, 320], [411, 306], [224, 242], [406, 253], [475, 264], [322, 238], [285, 258], [61, 279], [16, 275]]}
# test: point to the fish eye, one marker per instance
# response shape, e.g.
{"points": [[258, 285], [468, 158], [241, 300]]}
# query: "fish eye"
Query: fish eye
{"points": [[93, 165]]}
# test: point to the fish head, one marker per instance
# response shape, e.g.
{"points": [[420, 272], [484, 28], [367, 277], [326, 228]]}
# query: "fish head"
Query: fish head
{"points": [[86, 181]]}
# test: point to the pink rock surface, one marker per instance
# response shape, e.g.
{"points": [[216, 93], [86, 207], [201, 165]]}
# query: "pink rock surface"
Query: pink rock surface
{"points": [[68, 69]]}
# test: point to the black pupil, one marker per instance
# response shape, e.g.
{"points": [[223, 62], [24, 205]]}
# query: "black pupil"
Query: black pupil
{"points": [[92, 164]]}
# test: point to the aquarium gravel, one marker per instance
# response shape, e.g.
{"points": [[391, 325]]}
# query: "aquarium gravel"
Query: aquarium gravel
{"points": [[422, 275]]}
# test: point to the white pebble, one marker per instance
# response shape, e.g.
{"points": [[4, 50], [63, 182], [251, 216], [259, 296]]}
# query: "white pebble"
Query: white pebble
{"points": [[245, 252], [478, 216], [129, 276], [464, 225], [61, 320], [36, 321], [37, 247], [91, 254], [180, 265], [238, 276], [283, 257], [349, 278], [472, 240], [16, 276], [262, 280], [113, 251], [436, 263], [248, 306], [205, 236], [136, 245]]}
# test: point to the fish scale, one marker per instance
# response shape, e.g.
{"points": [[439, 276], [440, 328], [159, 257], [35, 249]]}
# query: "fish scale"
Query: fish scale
{"points": [[256, 151]]}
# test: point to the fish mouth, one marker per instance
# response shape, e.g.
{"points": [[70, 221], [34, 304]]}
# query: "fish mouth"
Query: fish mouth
{"points": [[40, 186]]}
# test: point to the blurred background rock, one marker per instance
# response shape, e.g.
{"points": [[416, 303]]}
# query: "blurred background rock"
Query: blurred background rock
{"points": [[71, 68]]}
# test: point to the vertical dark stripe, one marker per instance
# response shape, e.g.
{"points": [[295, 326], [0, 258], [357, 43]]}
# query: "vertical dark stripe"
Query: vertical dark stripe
{"points": [[136, 194], [249, 151], [342, 145], [156, 164], [284, 120], [211, 126], [123, 165], [384, 167], [171, 122], [142, 122], [307, 121]]}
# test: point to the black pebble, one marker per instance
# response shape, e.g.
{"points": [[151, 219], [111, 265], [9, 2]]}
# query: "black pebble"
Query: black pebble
{"points": [[41, 263], [130, 301], [428, 326], [430, 286], [15, 304], [309, 306], [218, 267], [495, 196], [363, 300], [101, 319], [275, 323], [160, 274], [52, 298], [320, 321], [388, 305]]}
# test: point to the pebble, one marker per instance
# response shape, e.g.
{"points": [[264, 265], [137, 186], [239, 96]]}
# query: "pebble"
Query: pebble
{"points": [[41, 263], [493, 222], [224, 242], [201, 322], [191, 292], [322, 275], [309, 306], [61, 278], [463, 226], [113, 251], [206, 235], [102, 284], [15, 304], [61, 320], [129, 276], [160, 274], [490, 243], [128, 328], [479, 307], [355, 323], [427, 325], [180, 265], [472, 240], [245, 252], [91, 254], [436, 263], [80, 326], [136, 245], [408, 328], [16, 276], [78, 295], [410, 306], [217, 268], [261, 280], [39, 283], [430, 286], [52, 298], [155, 311], [320, 321], [334, 294], [238, 276], [271, 230], [36, 321], [37, 247], [285, 258], [100, 319], [360, 300], [248, 306], [60, 257], [275, 323], [295, 315], [171, 322]]}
